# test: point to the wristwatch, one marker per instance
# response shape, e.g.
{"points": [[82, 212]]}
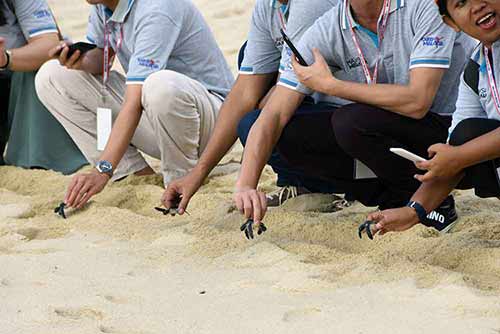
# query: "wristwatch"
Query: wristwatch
{"points": [[105, 167], [421, 213], [8, 55]]}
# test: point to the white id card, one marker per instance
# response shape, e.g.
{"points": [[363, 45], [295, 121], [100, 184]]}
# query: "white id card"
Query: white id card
{"points": [[104, 125], [362, 171]]}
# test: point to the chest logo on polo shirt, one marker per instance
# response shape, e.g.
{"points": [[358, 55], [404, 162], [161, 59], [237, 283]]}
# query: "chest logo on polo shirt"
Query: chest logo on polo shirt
{"points": [[149, 63], [483, 93], [40, 14], [279, 42], [354, 62], [433, 41]]}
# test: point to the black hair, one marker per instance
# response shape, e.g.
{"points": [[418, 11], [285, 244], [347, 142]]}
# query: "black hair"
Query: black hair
{"points": [[443, 10], [3, 9]]}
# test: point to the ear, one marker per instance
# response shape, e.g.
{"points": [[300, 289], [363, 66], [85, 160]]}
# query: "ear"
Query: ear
{"points": [[449, 21]]}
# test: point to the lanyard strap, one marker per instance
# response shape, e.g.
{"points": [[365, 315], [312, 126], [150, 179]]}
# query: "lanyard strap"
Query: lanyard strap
{"points": [[381, 28], [281, 16], [107, 61], [491, 80]]}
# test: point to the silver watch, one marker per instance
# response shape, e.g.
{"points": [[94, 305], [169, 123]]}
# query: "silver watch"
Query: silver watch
{"points": [[104, 167]]}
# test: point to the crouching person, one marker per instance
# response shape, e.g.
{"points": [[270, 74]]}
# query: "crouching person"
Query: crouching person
{"points": [[472, 156], [176, 78]]}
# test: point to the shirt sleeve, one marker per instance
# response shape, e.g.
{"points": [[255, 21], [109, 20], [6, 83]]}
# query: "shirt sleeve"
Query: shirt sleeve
{"points": [[320, 36], [151, 54], [468, 105], [35, 18], [95, 29], [303, 14], [433, 41], [261, 54]]}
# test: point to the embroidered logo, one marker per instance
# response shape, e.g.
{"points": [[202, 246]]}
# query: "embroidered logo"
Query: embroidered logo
{"points": [[40, 14], [483, 93], [433, 41], [354, 62], [149, 63]]}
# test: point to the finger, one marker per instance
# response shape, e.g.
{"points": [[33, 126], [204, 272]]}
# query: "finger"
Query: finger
{"points": [[318, 57], [74, 192], [247, 207], [54, 52], [169, 195], [427, 177], [433, 149], [257, 211], [85, 188], [86, 198], [295, 63], [375, 216], [239, 203], [63, 56], [73, 59], [263, 204], [71, 185], [186, 197], [423, 165]]}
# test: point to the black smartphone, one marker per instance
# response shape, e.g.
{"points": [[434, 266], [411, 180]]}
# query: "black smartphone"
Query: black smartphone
{"points": [[82, 47], [293, 48]]}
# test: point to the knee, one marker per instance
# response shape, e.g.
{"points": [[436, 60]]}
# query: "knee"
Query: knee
{"points": [[346, 123], [246, 124], [465, 131], [161, 90], [50, 72]]}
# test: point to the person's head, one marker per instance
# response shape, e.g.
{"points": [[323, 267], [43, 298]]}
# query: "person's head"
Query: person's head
{"points": [[477, 18]]}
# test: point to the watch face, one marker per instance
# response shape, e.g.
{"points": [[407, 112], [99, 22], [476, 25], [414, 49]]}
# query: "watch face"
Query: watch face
{"points": [[104, 167]]}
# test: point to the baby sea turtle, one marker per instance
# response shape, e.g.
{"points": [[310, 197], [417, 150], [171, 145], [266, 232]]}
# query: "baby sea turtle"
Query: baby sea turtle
{"points": [[248, 229]]}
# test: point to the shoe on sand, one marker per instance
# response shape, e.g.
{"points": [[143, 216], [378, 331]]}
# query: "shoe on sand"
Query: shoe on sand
{"points": [[444, 218], [280, 196]]}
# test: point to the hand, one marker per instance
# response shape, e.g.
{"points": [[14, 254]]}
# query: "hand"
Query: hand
{"points": [[3, 56], [394, 220], [184, 188], [251, 203], [445, 163], [61, 52], [83, 187], [318, 76]]}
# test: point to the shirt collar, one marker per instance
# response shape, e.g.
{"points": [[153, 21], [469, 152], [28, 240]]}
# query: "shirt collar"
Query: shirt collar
{"points": [[347, 14], [121, 11]]}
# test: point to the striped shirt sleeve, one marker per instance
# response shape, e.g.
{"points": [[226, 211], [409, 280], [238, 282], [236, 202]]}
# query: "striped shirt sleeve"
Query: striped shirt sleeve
{"points": [[35, 18]]}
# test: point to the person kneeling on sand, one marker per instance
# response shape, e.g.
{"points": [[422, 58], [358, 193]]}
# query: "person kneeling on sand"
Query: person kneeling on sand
{"points": [[401, 65], [176, 76], [258, 71], [471, 158]]}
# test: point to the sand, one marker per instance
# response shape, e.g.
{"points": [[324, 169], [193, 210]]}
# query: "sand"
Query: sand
{"points": [[119, 267]]}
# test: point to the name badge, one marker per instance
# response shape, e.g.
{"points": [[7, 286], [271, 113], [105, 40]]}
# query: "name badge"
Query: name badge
{"points": [[104, 125]]}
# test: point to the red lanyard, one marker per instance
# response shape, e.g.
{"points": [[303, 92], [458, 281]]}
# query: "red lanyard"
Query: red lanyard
{"points": [[282, 17], [107, 61], [381, 28], [491, 80]]}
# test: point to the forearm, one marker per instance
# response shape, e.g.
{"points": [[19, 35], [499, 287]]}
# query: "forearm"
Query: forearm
{"points": [[124, 127], [484, 148], [431, 194], [396, 98], [34, 54]]}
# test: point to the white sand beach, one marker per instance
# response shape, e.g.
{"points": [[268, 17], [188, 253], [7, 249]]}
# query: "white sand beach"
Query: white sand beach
{"points": [[120, 267]]}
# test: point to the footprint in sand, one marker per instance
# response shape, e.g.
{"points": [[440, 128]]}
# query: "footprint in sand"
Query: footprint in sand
{"points": [[112, 330], [29, 233], [300, 314], [79, 313], [114, 299], [4, 282]]}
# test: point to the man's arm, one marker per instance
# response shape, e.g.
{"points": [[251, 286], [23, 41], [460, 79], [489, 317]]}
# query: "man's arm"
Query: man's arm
{"points": [[31, 56]]}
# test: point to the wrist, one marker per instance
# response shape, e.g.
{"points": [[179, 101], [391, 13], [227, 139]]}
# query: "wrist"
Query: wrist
{"points": [[332, 86], [418, 212]]}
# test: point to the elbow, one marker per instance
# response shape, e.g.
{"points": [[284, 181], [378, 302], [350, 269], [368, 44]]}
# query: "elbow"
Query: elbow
{"points": [[419, 108]]}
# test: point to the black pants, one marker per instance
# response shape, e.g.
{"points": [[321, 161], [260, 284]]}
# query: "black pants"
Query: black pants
{"points": [[4, 110], [482, 177], [326, 145]]}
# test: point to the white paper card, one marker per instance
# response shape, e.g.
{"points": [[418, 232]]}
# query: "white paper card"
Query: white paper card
{"points": [[104, 125], [362, 171]]}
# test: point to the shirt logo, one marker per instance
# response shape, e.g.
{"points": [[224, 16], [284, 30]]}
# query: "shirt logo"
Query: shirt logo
{"points": [[483, 93], [40, 14], [149, 63], [354, 62], [433, 41]]}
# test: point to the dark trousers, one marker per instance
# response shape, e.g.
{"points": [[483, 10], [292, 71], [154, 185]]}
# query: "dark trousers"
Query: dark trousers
{"points": [[4, 109], [289, 173], [482, 177]]}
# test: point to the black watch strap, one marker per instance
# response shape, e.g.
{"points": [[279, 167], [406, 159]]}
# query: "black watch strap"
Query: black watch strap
{"points": [[420, 210], [6, 66]]}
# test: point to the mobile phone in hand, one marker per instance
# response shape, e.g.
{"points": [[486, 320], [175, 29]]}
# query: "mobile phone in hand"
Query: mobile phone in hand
{"points": [[292, 47], [82, 47], [407, 155]]}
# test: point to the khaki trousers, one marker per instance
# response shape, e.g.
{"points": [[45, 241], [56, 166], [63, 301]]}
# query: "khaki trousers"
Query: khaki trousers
{"points": [[179, 115]]}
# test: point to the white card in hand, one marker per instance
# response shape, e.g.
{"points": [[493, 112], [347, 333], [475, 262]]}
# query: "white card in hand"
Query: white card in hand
{"points": [[104, 125]]}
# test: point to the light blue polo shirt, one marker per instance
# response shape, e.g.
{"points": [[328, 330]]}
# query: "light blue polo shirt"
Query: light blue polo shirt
{"points": [[480, 104], [415, 37], [162, 34], [265, 47], [26, 19]]}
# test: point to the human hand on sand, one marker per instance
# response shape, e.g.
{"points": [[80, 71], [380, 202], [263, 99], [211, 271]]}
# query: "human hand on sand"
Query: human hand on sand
{"points": [[318, 76], [183, 189], [392, 220], [83, 186], [446, 163], [251, 203]]}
